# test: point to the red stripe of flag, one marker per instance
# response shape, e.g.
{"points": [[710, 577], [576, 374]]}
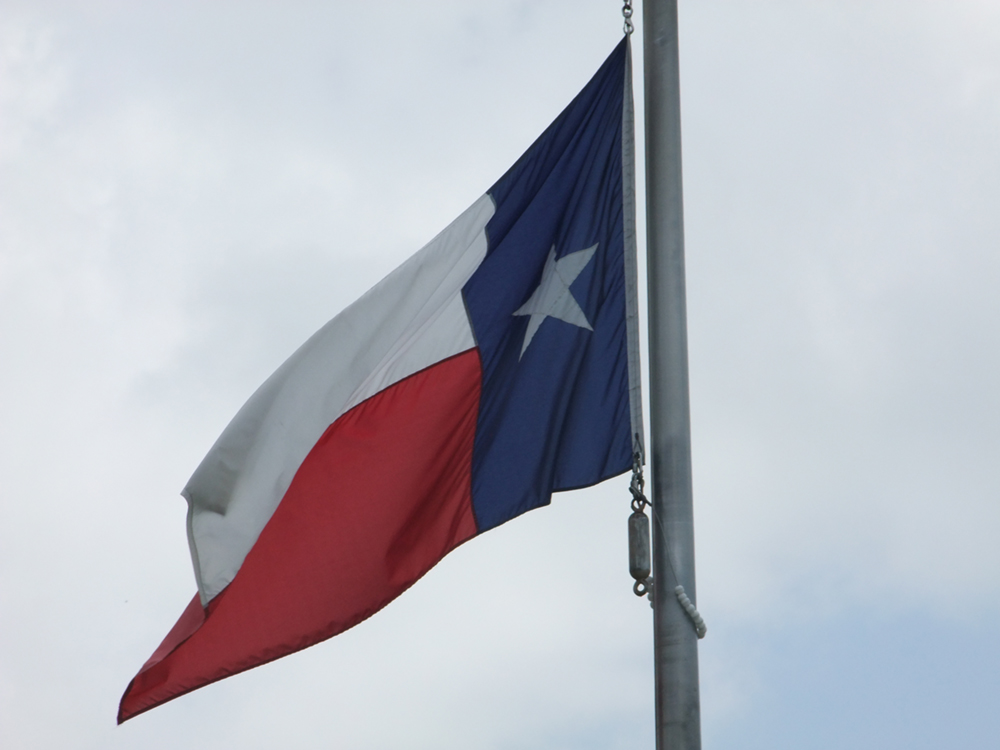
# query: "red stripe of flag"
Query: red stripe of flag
{"points": [[400, 467]]}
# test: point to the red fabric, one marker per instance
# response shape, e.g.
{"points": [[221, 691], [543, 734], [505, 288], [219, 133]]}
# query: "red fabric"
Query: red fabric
{"points": [[381, 498]]}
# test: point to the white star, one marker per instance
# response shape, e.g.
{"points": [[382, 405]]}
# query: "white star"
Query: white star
{"points": [[552, 298]]}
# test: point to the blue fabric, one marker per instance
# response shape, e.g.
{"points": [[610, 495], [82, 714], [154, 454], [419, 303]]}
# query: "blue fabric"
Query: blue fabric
{"points": [[558, 417]]}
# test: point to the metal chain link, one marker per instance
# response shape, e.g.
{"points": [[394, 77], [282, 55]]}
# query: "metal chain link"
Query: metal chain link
{"points": [[638, 484], [627, 14]]}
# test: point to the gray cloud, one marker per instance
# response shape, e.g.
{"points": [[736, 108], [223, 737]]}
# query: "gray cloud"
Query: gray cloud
{"points": [[187, 192]]}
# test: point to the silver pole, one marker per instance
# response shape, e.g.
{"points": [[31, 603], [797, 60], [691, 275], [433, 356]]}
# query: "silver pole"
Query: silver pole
{"points": [[678, 712]]}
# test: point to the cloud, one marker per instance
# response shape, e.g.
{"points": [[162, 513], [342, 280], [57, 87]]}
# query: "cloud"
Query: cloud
{"points": [[187, 192]]}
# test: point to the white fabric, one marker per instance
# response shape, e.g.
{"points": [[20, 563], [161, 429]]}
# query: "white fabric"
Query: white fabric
{"points": [[410, 320], [552, 297]]}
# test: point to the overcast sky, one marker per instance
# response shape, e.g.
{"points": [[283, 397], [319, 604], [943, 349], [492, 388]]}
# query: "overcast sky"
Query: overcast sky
{"points": [[189, 189]]}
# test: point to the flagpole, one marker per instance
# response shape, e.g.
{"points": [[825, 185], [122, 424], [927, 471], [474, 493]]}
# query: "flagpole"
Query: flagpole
{"points": [[678, 713]]}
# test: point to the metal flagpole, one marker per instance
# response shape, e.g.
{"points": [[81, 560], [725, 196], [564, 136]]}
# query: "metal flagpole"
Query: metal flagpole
{"points": [[678, 713]]}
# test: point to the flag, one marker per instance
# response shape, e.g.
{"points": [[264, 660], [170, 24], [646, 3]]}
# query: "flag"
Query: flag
{"points": [[496, 366]]}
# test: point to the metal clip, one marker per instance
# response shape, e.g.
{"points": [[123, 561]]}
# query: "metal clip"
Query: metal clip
{"points": [[640, 564]]}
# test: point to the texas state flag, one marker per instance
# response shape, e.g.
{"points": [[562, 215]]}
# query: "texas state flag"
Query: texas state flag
{"points": [[496, 366]]}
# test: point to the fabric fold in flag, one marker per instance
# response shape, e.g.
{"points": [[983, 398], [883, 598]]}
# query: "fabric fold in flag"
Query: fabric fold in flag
{"points": [[498, 365]]}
